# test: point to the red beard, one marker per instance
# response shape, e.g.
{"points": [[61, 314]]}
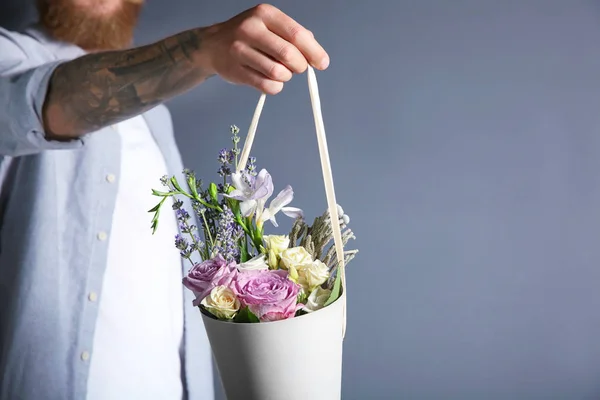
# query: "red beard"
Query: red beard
{"points": [[70, 23]]}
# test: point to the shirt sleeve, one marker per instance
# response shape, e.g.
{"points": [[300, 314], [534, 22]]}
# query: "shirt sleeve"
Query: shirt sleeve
{"points": [[23, 87]]}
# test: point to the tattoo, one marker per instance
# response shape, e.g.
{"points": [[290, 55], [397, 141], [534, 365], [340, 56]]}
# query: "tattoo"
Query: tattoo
{"points": [[102, 89]]}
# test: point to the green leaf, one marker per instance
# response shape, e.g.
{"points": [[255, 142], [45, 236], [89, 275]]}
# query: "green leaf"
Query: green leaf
{"points": [[156, 211], [205, 204], [155, 208], [302, 297], [246, 316], [162, 194], [154, 224], [192, 185], [212, 191], [336, 291], [176, 184], [300, 313], [244, 256]]}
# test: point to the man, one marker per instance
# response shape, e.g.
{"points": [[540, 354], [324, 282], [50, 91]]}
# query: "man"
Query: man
{"points": [[91, 304]]}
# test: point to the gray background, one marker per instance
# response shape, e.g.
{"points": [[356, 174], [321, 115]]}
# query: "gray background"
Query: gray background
{"points": [[465, 142]]}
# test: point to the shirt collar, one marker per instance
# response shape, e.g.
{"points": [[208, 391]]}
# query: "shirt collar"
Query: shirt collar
{"points": [[59, 48]]}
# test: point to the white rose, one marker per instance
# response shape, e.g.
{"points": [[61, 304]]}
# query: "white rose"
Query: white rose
{"points": [[294, 257], [312, 275], [256, 263], [277, 243], [222, 302], [317, 299]]}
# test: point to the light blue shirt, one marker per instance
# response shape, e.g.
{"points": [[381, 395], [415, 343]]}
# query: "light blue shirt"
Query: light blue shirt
{"points": [[54, 199]]}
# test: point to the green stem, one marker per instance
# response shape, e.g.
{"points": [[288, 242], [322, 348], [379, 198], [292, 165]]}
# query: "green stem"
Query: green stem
{"points": [[212, 243], [255, 234], [204, 203], [236, 152]]}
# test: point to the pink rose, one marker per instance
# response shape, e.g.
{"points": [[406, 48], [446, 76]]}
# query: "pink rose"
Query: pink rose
{"points": [[203, 277], [269, 294]]}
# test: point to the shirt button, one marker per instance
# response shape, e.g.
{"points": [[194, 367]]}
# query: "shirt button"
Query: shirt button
{"points": [[110, 178], [92, 296], [85, 356], [102, 236]]}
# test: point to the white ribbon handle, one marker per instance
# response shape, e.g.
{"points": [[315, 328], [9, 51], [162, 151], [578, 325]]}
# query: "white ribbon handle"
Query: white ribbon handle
{"points": [[325, 167]]}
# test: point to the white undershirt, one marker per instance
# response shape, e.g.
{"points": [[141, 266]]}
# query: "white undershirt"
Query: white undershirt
{"points": [[136, 350]]}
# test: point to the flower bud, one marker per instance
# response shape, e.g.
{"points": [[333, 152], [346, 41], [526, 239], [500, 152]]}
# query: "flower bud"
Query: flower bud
{"points": [[212, 191]]}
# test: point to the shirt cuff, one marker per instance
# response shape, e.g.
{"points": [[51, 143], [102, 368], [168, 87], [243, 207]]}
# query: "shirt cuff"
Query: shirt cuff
{"points": [[25, 113]]}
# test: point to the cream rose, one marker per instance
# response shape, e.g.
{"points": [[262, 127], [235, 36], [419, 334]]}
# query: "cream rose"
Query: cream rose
{"points": [[312, 275], [221, 302], [258, 262], [317, 299], [295, 256], [277, 243]]}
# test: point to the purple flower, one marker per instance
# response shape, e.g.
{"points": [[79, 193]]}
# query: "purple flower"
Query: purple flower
{"points": [[228, 233], [203, 277], [183, 246], [269, 294], [181, 243], [182, 215], [224, 157], [224, 170], [251, 166]]}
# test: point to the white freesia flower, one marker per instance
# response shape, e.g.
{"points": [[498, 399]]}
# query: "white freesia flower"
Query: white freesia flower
{"points": [[279, 203], [222, 302], [257, 263], [253, 193], [294, 256], [312, 274], [317, 299]]}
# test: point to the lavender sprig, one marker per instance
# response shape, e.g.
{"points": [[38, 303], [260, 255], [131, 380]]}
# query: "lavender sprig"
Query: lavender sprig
{"points": [[251, 166], [228, 234], [185, 248], [235, 138]]}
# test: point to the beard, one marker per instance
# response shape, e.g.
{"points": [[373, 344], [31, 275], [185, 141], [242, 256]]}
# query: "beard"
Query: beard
{"points": [[70, 23]]}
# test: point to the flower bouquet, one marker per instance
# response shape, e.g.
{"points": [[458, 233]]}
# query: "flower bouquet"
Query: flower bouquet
{"points": [[273, 305]]}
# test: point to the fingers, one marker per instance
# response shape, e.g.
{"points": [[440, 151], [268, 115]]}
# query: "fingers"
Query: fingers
{"points": [[280, 50], [251, 77], [292, 32], [261, 47], [262, 63]]}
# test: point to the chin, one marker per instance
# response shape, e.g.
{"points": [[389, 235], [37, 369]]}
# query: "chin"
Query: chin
{"points": [[106, 26]]}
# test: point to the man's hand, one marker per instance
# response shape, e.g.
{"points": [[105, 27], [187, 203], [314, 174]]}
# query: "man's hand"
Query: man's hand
{"points": [[261, 47]]}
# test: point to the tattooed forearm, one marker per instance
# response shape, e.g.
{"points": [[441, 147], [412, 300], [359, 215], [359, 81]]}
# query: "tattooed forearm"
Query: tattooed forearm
{"points": [[101, 89]]}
